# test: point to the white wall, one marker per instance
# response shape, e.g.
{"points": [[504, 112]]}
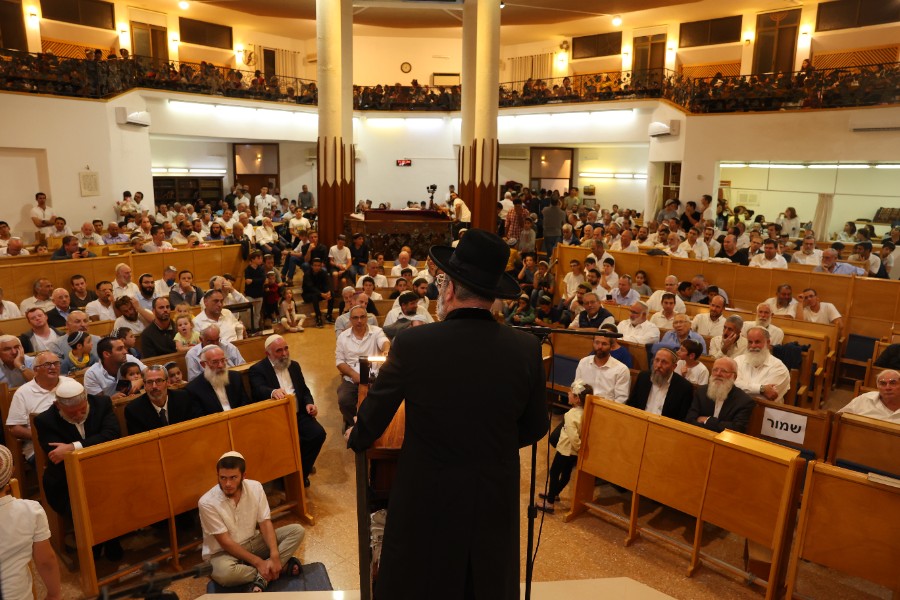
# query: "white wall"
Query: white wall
{"points": [[25, 172], [614, 159], [513, 170], [377, 60], [296, 170]]}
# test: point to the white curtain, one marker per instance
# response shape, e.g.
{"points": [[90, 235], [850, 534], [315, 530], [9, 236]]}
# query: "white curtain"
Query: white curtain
{"points": [[822, 218], [536, 66], [286, 63]]}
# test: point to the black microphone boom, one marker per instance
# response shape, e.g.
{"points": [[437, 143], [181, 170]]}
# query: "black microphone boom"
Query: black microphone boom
{"points": [[544, 331]]}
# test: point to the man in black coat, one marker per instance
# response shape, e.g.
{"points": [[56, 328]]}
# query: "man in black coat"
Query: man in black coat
{"points": [[76, 420], [662, 391], [277, 376], [720, 405], [217, 389], [464, 427], [158, 406]]}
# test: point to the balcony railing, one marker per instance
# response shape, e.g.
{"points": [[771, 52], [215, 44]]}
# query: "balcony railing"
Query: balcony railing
{"points": [[865, 85]]}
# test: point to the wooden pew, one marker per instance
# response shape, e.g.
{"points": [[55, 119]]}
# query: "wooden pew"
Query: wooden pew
{"points": [[742, 484], [864, 441], [168, 469], [58, 523], [848, 523], [811, 433], [13, 443]]}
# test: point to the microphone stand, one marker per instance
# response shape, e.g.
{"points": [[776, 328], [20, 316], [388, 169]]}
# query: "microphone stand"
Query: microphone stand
{"points": [[543, 334]]}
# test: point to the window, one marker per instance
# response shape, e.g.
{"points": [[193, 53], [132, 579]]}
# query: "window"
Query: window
{"points": [[845, 14], [591, 46], [776, 41], [150, 41], [712, 31], [205, 34], [92, 13], [12, 27]]}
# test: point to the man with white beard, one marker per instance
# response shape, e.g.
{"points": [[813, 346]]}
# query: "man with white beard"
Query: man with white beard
{"points": [[720, 405], [764, 320], [218, 389], [636, 328], [759, 373]]}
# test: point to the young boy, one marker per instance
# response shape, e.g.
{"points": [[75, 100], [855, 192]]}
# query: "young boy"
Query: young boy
{"points": [[688, 365]]}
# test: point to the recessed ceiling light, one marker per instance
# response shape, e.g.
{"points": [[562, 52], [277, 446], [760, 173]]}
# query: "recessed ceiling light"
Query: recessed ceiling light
{"points": [[617, 20], [184, 5]]}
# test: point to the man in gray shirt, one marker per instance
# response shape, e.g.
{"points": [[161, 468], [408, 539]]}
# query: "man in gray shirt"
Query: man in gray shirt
{"points": [[553, 218], [306, 198]]}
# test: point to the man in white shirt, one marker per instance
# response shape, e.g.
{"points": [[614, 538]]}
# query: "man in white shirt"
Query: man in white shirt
{"points": [[102, 309], [263, 202], [625, 243], [769, 259], [783, 303], [41, 336], [402, 263], [693, 244], [8, 310], [572, 280], [637, 328], [42, 215], [88, 237], [812, 310], [731, 343], [42, 289], [229, 515], [654, 303], [339, 260], [360, 340], [408, 305], [759, 373], [35, 396], [129, 316], [663, 319], [214, 313], [710, 240], [123, 286], [764, 320], [712, 323], [883, 404], [461, 213], [372, 271], [808, 253], [158, 241], [598, 253], [162, 287], [623, 295], [608, 377], [673, 246]]}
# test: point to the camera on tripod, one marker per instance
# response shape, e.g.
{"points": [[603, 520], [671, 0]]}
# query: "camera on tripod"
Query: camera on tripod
{"points": [[431, 189]]}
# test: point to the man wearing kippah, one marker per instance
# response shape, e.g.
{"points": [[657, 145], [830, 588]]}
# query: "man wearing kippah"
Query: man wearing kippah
{"points": [[229, 514], [26, 536], [75, 420]]}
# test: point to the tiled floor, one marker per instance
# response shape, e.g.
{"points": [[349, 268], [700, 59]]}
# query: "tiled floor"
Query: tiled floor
{"points": [[588, 547]]}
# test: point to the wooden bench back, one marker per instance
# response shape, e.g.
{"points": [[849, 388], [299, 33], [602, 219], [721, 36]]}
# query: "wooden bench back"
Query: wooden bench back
{"points": [[865, 441], [847, 523], [792, 426]]}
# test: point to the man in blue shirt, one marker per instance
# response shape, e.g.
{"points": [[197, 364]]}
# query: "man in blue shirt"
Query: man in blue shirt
{"points": [[830, 264], [681, 331]]}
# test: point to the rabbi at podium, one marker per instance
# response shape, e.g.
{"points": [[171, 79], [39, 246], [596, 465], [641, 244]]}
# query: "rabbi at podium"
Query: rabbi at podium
{"points": [[474, 392]]}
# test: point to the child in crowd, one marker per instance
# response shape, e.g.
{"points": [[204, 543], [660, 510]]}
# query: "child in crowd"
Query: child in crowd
{"points": [[130, 380], [271, 298], [567, 447], [522, 313], [126, 334], [186, 336], [640, 284], [290, 320], [688, 366], [41, 248], [79, 357], [176, 379]]}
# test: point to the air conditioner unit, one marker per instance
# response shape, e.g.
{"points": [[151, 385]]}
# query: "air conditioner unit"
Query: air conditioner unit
{"points": [[140, 118], [876, 122], [658, 128], [514, 153]]}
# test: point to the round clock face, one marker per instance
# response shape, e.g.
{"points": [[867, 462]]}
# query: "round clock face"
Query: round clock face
{"points": [[406, 67]]}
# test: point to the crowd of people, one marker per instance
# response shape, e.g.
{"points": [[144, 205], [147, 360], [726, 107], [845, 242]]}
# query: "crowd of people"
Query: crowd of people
{"points": [[96, 76]]}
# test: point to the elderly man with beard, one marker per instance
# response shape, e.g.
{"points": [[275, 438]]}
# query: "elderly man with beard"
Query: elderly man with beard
{"points": [[636, 328], [279, 376], [721, 405], [883, 404], [731, 343], [760, 373], [218, 389], [662, 391], [764, 320], [210, 337]]}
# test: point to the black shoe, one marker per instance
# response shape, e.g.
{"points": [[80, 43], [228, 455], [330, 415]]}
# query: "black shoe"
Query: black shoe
{"points": [[113, 550], [329, 318], [306, 482], [319, 323], [543, 496]]}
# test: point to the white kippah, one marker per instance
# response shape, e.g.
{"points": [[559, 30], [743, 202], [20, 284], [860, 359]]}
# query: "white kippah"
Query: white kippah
{"points": [[232, 453], [271, 340], [69, 391], [6, 466]]}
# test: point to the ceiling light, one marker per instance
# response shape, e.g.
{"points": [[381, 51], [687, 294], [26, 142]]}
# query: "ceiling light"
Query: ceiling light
{"points": [[177, 170], [502, 5], [624, 176], [617, 20], [854, 166], [786, 166], [888, 166], [759, 166], [184, 5], [823, 166], [732, 165]]}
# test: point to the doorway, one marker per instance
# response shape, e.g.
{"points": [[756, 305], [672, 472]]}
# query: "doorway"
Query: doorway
{"points": [[150, 41], [649, 63]]}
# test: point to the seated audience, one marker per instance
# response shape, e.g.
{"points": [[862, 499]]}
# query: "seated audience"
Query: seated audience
{"points": [[214, 313], [360, 339], [654, 303], [808, 253], [731, 343], [760, 373], [664, 318], [637, 328], [41, 291], [811, 309], [623, 295], [593, 315], [80, 357], [764, 320], [218, 389], [548, 315], [783, 303], [277, 376], [316, 290], [616, 350], [16, 368], [607, 376], [662, 391], [158, 406], [712, 323], [681, 331], [732, 252], [103, 308], [883, 404], [33, 396], [689, 365], [721, 405], [830, 264], [102, 377], [159, 336], [184, 291], [210, 337], [41, 336]]}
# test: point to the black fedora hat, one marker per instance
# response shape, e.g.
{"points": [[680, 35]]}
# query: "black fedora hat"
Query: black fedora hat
{"points": [[479, 263]]}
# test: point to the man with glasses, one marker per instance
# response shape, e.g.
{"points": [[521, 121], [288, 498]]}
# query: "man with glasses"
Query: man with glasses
{"points": [[158, 406], [34, 396], [720, 405], [883, 404], [593, 315]]}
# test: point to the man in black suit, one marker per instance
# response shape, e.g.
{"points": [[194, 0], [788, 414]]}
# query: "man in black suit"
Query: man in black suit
{"points": [[75, 420], [57, 316], [157, 406], [720, 405], [217, 389], [464, 427], [662, 391], [278, 376]]}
